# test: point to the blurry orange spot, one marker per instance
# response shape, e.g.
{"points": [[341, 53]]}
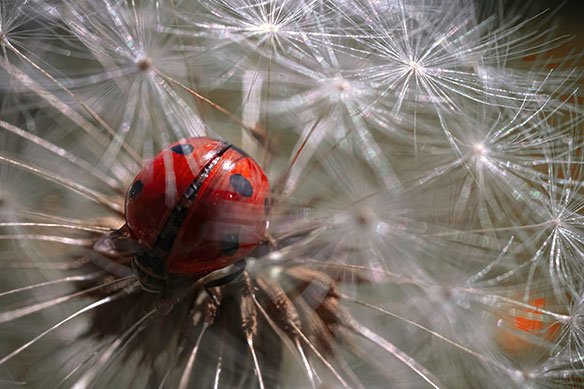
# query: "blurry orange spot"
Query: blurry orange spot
{"points": [[530, 325], [574, 99], [519, 331]]}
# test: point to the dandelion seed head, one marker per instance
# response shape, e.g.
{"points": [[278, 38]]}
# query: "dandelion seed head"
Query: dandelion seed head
{"points": [[340, 89], [481, 153], [416, 67], [427, 193], [480, 149], [364, 218], [342, 84], [144, 64], [268, 28]]}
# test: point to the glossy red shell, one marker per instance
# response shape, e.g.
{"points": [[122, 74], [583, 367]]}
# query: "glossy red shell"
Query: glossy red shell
{"points": [[225, 220]]}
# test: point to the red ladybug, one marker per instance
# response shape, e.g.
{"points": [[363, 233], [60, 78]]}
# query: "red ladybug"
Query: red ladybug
{"points": [[198, 206]]}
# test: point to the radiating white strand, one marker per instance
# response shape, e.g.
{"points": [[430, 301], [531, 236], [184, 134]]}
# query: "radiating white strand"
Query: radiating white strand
{"points": [[87, 379], [483, 272], [256, 364], [292, 346], [306, 362], [319, 355], [186, 375], [63, 153], [131, 152], [54, 327], [54, 225], [20, 312], [218, 370], [49, 238], [65, 183], [52, 282], [389, 347], [459, 346], [54, 101], [78, 367]]}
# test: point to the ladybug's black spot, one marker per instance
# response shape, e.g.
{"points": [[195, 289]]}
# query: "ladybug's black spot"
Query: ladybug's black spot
{"points": [[241, 185], [184, 149], [136, 188], [229, 244]]}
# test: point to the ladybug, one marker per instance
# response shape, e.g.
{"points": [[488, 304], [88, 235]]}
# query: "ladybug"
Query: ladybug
{"points": [[199, 206]]}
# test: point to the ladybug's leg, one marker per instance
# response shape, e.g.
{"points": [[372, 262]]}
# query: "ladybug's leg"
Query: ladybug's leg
{"points": [[271, 240], [166, 302], [113, 252], [117, 244], [214, 295], [221, 277]]}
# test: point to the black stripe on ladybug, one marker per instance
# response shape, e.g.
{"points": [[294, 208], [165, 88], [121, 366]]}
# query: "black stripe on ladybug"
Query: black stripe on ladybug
{"points": [[229, 243], [240, 151], [183, 149], [148, 279], [151, 271], [241, 185], [148, 264], [167, 235], [136, 189]]}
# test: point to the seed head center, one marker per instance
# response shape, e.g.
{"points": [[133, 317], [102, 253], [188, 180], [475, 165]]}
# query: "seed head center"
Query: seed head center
{"points": [[144, 64]]}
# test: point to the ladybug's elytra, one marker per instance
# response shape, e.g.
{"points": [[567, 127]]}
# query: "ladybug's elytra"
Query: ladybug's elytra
{"points": [[198, 206]]}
